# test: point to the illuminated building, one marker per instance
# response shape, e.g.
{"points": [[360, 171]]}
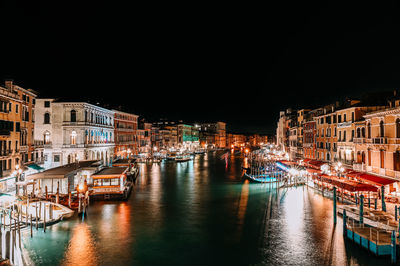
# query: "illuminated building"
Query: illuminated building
{"points": [[212, 135], [188, 137], [382, 143], [347, 121], [125, 125], [309, 134], [144, 138], [74, 131], [326, 133], [16, 121]]}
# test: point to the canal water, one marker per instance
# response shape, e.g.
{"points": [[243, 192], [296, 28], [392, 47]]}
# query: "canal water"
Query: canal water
{"points": [[201, 212]]}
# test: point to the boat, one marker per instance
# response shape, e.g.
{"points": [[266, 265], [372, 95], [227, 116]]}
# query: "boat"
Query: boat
{"points": [[183, 158], [264, 178], [171, 156], [111, 183], [132, 165], [50, 212], [200, 151]]}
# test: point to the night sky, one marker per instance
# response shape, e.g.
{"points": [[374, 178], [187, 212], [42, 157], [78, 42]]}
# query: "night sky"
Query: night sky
{"points": [[232, 63]]}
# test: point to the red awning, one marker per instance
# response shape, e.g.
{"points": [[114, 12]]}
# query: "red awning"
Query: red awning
{"points": [[377, 180], [314, 164], [348, 185], [313, 171]]}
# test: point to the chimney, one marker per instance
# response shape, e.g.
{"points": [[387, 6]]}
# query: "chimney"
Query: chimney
{"points": [[9, 84]]}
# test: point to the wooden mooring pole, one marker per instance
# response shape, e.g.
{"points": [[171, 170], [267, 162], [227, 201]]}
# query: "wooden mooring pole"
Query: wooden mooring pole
{"points": [[361, 209], [334, 205], [383, 199], [393, 244], [344, 223]]}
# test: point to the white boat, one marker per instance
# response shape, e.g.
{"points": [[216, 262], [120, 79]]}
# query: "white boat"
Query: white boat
{"points": [[183, 158], [59, 211]]}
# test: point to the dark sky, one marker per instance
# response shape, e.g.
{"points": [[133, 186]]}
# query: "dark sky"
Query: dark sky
{"points": [[233, 63]]}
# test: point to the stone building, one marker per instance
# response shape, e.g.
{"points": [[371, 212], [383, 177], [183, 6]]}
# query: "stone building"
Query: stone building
{"points": [[74, 131]]}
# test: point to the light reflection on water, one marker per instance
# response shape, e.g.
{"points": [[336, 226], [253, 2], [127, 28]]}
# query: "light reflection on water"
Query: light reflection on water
{"points": [[201, 213], [81, 249]]}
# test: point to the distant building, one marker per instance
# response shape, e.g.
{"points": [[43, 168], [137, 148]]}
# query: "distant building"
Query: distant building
{"points": [[213, 135], [144, 138], [125, 125], [188, 137]]}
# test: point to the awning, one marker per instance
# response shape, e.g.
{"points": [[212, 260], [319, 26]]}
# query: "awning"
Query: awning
{"points": [[376, 180], [314, 164], [348, 185], [35, 167]]}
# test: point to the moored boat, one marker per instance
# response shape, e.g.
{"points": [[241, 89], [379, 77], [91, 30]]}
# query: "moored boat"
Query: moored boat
{"points": [[183, 158], [111, 183]]}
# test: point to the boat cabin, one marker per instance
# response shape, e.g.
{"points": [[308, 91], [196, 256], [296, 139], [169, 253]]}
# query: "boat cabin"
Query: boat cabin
{"points": [[110, 181]]}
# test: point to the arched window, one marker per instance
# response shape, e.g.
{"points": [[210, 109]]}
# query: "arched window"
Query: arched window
{"points": [[381, 129], [369, 130], [73, 137], [73, 116], [396, 160], [363, 132], [46, 137], [86, 137], [358, 132], [398, 128], [46, 118], [369, 157]]}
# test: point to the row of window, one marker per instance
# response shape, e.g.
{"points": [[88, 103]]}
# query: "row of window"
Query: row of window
{"points": [[333, 119]]}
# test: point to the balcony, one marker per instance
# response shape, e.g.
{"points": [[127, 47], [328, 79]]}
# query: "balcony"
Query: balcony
{"points": [[379, 140], [359, 140]]}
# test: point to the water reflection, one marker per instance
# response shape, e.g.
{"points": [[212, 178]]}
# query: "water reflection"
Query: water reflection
{"points": [[81, 249], [205, 214]]}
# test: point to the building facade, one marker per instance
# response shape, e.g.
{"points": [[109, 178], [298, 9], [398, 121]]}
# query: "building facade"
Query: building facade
{"points": [[125, 126], [74, 131]]}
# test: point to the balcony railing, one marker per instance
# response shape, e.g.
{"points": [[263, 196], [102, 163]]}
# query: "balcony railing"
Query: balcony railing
{"points": [[359, 140], [379, 140]]}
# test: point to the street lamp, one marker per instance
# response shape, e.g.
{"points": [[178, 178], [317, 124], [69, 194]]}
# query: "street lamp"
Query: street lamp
{"points": [[82, 191]]}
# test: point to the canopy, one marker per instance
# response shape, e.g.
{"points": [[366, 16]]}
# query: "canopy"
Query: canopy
{"points": [[110, 172], [35, 167], [374, 179], [314, 164], [348, 185]]}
